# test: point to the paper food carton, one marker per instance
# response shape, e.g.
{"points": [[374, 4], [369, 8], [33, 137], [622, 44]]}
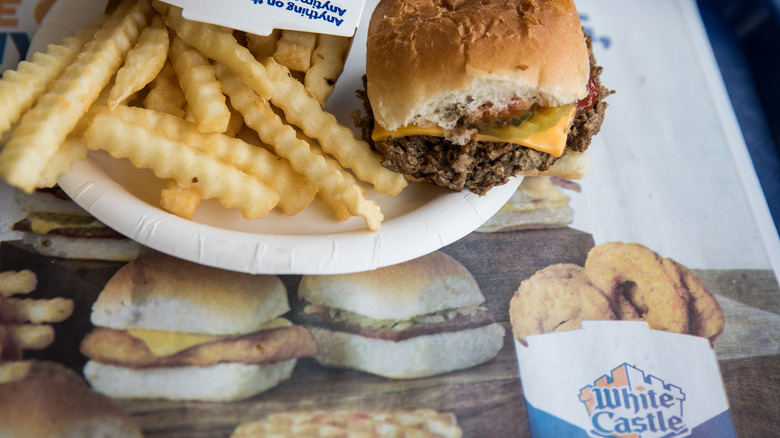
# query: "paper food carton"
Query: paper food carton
{"points": [[621, 379], [620, 347]]}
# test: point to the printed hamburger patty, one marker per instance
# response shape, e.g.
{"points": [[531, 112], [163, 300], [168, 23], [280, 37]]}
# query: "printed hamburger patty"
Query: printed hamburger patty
{"points": [[477, 166], [477, 319], [119, 348]]}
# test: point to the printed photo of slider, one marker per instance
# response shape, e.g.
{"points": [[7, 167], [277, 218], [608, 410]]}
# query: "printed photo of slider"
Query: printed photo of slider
{"points": [[55, 226], [415, 319], [171, 329]]}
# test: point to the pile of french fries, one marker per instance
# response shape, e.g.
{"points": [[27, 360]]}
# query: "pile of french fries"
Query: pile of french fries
{"points": [[25, 322], [215, 112]]}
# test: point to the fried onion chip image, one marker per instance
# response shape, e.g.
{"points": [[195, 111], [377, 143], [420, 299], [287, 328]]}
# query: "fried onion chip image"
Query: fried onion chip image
{"points": [[620, 281], [556, 298], [644, 279]]}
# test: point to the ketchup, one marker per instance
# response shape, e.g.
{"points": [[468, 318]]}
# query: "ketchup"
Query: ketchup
{"points": [[594, 89]]}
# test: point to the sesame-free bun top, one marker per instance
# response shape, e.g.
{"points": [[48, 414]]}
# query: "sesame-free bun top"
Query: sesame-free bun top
{"points": [[424, 285], [426, 58], [160, 292]]}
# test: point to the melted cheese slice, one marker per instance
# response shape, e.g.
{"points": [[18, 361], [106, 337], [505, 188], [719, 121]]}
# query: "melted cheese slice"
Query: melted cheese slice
{"points": [[163, 344], [42, 223], [551, 141]]}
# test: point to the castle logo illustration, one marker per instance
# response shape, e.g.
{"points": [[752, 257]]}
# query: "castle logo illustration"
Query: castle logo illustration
{"points": [[630, 404]]}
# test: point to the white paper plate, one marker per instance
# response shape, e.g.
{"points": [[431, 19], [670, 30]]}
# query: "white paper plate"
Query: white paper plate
{"points": [[421, 219]]}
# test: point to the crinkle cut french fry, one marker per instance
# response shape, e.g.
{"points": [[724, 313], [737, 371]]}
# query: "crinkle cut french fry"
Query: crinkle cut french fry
{"points": [[20, 88], [143, 62], [181, 201], [291, 96], [294, 49], [71, 150], [327, 63], [304, 111], [27, 336], [212, 178], [200, 87], [36, 311], [235, 124], [218, 45], [259, 116], [17, 282], [13, 370], [295, 191], [337, 207], [263, 46], [165, 94], [43, 128]]}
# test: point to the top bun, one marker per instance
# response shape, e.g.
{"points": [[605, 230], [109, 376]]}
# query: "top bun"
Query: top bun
{"points": [[424, 285], [429, 61], [160, 292]]}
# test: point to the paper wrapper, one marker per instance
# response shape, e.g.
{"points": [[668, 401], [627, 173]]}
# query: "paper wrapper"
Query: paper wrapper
{"points": [[335, 17]]}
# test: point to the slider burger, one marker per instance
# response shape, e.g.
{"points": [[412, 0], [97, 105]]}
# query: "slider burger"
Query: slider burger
{"points": [[415, 319], [166, 328], [55, 226], [469, 93]]}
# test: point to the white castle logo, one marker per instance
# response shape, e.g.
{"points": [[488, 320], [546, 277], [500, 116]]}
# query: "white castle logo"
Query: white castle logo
{"points": [[628, 404]]}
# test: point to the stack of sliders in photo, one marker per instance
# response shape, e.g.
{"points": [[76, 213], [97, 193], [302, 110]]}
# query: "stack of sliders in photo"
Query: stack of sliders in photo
{"points": [[414, 319], [469, 94], [167, 328], [55, 226]]}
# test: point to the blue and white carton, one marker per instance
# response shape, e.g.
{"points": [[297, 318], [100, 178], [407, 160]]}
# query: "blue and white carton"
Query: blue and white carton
{"points": [[620, 379]]}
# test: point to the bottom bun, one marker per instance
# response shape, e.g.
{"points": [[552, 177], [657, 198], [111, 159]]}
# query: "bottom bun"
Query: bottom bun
{"points": [[420, 356], [218, 383]]}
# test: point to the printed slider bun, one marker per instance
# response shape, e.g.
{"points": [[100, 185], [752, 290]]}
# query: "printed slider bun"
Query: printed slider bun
{"points": [[415, 319], [55, 226], [468, 94], [167, 328], [46, 399]]}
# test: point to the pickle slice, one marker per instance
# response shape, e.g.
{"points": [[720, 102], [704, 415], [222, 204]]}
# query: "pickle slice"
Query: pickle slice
{"points": [[542, 120], [515, 118]]}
